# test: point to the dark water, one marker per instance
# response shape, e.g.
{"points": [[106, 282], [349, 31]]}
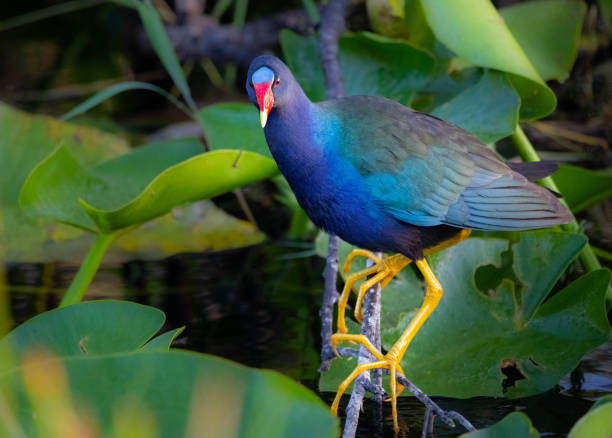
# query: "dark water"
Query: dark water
{"points": [[259, 306]]}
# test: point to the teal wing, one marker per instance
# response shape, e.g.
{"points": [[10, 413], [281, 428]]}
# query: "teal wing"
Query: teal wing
{"points": [[427, 172]]}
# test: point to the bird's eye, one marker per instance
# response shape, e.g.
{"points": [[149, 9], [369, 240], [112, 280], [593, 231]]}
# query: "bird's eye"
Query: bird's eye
{"points": [[277, 82]]}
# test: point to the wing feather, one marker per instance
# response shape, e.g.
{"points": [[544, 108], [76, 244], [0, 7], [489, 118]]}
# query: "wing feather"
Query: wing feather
{"points": [[427, 172]]}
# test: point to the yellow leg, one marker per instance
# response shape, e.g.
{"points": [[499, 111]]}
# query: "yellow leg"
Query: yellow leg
{"points": [[385, 269], [390, 266], [391, 360]]}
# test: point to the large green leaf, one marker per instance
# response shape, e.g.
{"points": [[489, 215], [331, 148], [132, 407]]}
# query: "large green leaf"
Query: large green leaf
{"points": [[549, 33], [25, 140], [84, 329], [233, 126], [475, 31], [178, 391], [372, 64], [583, 188], [514, 425], [137, 187], [597, 422], [493, 317], [489, 109], [174, 393]]}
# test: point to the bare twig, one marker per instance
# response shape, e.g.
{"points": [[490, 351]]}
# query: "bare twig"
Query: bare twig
{"points": [[448, 418], [330, 296], [332, 26], [370, 327]]}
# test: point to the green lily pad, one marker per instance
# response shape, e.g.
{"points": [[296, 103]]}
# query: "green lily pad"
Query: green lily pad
{"points": [[84, 329], [549, 33], [117, 385], [597, 422], [514, 425], [234, 126], [475, 31], [493, 318], [373, 64], [125, 195], [489, 109], [583, 188]]}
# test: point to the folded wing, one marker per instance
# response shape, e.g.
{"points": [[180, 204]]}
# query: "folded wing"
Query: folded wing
{"points": [[427, 172]]}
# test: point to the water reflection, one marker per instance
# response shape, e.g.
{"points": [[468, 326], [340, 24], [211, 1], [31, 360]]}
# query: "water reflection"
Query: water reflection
{"points": [[259, 307]]}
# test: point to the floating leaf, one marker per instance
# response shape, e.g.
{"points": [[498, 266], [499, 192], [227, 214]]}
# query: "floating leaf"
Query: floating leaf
{"points": [[489, 109], [475, 31], [514, 425], [176, 393], [90, 328], [493, 319], [583, 188], [548, 31]]}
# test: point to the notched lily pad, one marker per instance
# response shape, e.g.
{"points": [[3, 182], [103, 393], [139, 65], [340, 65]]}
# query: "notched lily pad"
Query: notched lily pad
{"points": [[474, 336], [171, 393]]}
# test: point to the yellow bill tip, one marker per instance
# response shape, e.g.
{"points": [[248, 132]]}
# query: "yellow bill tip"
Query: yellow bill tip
{"points": [[263, 117]]}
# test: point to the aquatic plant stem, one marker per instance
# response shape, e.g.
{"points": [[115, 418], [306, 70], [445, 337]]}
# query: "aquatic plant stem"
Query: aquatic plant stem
{"points": [[88, 269], [587, 257]]}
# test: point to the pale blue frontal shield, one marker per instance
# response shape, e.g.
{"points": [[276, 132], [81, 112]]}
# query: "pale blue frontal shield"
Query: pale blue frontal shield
{"points": [[263, 74]]}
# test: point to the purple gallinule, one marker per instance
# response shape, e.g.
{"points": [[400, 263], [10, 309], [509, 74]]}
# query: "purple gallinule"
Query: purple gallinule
{"points": [[386, 178]]}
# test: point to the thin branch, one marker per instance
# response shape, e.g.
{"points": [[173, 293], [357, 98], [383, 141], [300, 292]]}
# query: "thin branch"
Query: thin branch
{"points": [[370, 327], [448, 418], [206, 38], [330, 297], [332, 26]]}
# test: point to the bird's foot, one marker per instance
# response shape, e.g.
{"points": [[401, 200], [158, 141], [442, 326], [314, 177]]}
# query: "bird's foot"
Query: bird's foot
{"points": [[389, 361], [383, 270]]}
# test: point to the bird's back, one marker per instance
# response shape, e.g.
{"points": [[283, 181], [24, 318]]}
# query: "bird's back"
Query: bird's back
{"points": [[427, 172]]}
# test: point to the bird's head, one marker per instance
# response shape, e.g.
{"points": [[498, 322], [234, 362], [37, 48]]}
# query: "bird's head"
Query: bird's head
{"points": [[269, 84]]}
